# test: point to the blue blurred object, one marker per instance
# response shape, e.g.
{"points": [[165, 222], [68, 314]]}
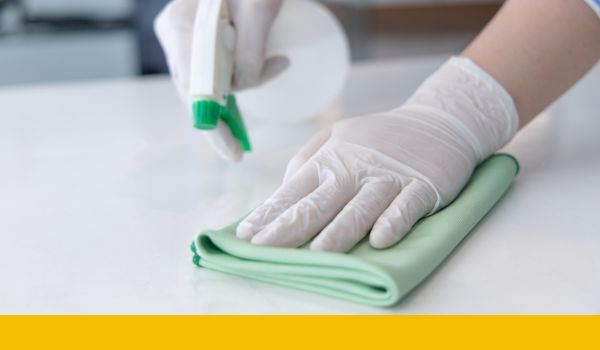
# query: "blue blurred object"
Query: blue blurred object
{"points": [[152, 59]]}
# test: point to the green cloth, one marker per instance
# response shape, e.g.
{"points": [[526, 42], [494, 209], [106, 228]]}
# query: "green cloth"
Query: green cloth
{"points": [[365, 275]]}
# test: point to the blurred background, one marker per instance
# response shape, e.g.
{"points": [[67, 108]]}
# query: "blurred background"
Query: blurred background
{"points": [[44, 41]]}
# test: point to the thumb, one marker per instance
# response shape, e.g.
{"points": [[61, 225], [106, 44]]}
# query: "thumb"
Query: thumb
{"points": [[253, 20]]}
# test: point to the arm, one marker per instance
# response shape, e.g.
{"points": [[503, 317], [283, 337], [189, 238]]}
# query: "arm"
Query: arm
{"points": [[379, 174], [537, 49]]}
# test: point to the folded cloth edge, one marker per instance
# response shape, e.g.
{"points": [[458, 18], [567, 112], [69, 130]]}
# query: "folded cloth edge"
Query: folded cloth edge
{"points": [[340, 275]]}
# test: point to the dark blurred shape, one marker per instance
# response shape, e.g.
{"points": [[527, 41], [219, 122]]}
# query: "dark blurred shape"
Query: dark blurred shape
{"points": [[73, 23], [152, 59], [25, 21], [443, 17], [411, 28], [11, 15]]}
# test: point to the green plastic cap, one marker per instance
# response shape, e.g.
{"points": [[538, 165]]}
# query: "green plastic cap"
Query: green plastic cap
{"points": [[206, 114]]}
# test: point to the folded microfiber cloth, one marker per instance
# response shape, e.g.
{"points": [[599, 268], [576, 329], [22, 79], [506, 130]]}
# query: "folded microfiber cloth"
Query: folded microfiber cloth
{"points": [[365, 275]]}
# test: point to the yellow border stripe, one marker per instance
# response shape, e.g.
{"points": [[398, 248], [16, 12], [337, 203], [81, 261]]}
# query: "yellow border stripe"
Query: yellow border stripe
{"points": [[282, 332]]}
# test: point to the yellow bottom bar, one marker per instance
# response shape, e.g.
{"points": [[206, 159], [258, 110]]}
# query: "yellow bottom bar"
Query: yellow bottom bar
{"points": [[283, 332]]}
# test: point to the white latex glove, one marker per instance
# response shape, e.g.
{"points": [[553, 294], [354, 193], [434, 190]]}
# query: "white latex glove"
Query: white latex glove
{"points": [[382, 173], [252, 19]]}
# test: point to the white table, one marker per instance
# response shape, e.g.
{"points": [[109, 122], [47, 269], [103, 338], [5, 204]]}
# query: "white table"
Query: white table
{"points": [[104, 185]]}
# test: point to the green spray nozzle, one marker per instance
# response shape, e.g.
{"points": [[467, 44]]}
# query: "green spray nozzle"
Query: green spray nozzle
{"points": [[207, 113]]}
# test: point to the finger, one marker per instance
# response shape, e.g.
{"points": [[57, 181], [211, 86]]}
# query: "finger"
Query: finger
{"points": [[356, 219], [253, 20], [304, 220], [288, 194], [306, 152], [415, 201], [224, 143], [173, 28]]}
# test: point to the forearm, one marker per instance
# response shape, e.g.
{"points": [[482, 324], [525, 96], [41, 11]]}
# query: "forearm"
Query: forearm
{"points": [[537, 49]]}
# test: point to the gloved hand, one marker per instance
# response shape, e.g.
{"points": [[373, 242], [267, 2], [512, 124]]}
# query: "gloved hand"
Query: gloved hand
{"points": [[383, 172], [252, 19]]}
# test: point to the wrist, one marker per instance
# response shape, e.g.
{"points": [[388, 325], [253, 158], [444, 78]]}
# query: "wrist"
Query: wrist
{"points": [[470, 102]]}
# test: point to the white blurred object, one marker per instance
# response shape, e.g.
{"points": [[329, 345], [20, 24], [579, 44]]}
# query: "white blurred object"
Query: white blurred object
{"points": [[315, 43]]}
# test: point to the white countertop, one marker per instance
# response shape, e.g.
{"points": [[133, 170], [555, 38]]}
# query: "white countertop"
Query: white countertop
{"points": [[104, 185]]}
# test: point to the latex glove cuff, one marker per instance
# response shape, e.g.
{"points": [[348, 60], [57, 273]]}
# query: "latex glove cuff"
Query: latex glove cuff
{"points": [[480, 109]]}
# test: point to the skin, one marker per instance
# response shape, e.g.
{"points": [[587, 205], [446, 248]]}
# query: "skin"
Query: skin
{"points": [[537, 49]]}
